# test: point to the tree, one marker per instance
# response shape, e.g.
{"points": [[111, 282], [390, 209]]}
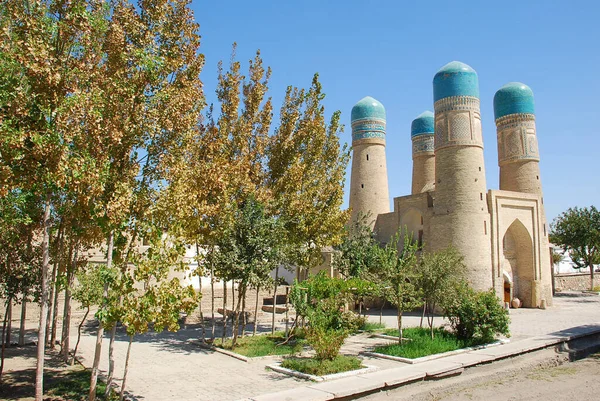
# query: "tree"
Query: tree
{"points": [[577, 231], [398, 277], [438, 273]]}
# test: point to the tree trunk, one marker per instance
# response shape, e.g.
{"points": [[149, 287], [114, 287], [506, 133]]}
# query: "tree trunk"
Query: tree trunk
{"points": [[287, 316], [100, 333], [41, 345], [591, 276], [50, 305], [55, 313], [87, 312], [256, 311], [200, 290], [400, 339], [23, 319], [244, 320], [9, 324], [111, 360], [52, 298], [431, 311], [233, 295], [224, 312], [381, 312], [423, 314], [274, 300], [66, 329], [212, 304], [122, 394], [3, 343], [236, 324]]}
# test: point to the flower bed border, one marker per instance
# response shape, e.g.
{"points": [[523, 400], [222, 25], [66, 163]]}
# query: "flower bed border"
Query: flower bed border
{"points": [[276, 367]]}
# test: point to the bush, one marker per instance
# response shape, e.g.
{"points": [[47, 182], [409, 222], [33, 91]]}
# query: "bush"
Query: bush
{"points": [[476, 315], [321, 300]]}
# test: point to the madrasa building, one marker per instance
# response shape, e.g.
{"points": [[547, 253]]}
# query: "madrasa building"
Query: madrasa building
{"points": [[502, 234]]}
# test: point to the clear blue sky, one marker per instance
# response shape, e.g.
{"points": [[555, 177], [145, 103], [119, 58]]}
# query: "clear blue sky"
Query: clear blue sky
{"points": [[391, 50]]}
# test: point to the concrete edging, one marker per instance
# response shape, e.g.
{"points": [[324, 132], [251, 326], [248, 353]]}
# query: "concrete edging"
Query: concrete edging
{"points": [[278, 368]]}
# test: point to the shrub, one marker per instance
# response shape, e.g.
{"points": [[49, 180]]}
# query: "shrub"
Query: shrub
{"points": [[321, 300], [476, 315]]}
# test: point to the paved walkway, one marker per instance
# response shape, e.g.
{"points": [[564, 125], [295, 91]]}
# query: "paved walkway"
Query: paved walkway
{"points": [[169, 366]]}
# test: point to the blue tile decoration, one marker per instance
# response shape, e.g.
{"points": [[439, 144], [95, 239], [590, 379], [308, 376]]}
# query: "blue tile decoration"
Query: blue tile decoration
{"points": [[368, 119], [423, 124], [513, 98], [455, 79]]}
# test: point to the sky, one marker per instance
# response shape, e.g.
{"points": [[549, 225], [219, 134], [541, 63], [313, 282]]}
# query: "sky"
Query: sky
{"points": [[391, 50]]}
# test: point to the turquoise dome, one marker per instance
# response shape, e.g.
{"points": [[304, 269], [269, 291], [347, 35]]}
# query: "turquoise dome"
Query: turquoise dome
{"points": [[513, 98], [368, 107], [455, 79], [423, 124]]}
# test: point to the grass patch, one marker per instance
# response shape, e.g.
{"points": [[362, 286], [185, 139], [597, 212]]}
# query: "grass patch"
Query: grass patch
{"points": [[313, 366], [372, 327], [74, 385], [420, 343], [263, 345]]}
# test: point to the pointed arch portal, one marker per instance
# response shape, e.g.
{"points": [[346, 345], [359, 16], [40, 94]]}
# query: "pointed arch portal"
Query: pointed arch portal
{"points": [[518, 253]]}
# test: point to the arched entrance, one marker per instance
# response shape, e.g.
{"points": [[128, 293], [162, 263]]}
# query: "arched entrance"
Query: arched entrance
{"points": [[519, 264]]}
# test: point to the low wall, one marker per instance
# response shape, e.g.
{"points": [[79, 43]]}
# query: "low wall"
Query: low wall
{"points": [[575, 281]]}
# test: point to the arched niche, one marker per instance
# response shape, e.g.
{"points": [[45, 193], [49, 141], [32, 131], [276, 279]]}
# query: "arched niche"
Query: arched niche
{"points": [[517, 246], [411, 223]]}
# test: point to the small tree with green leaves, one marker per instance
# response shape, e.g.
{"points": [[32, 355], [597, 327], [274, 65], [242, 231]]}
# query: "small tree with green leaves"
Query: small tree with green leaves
{"points": [[577, 231], [398, 278], [438, 274]]}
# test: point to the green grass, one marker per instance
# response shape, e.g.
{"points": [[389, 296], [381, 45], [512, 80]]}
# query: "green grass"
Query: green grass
{"points": [[315, 367], [420, 344], [372, 327], [263, 345], [74, 385]]}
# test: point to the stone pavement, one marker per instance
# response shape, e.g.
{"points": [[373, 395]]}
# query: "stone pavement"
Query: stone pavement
{"points": [[169, 366]]}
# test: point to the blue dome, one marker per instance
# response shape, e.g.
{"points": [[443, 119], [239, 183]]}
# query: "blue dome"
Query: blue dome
{"points": [[368, 107], [513, 98], [423, 124], [455, 79]]}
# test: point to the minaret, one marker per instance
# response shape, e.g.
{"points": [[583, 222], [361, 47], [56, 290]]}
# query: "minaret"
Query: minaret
{"points": [[518, 155], [368, 183], [421, 133], [461, 216], [519, 161]]}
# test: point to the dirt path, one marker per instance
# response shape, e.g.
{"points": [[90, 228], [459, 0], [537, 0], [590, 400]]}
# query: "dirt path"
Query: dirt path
{"points": [[543, 375]]}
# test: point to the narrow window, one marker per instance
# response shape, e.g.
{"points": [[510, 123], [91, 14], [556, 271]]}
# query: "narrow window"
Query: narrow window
{"points": [[481, 196], [421, 220], [420, 238], [362, 185], [485, 227], [537, 177], [367, 157], [479, 168]]}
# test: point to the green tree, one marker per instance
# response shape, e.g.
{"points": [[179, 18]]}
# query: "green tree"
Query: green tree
{"points": [[438, 274], [397, 276], [577, 231]]}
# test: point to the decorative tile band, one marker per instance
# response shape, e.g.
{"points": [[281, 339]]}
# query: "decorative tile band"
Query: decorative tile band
{"points": [[457, 122], [368, 128], [517, 140], [422, 144]]}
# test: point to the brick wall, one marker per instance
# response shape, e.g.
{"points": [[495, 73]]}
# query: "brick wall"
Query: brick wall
{"points": [[575, 281]]}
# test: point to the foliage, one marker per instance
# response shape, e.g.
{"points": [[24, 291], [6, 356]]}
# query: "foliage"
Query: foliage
{"points": [[339, 364], [89, 288], [321, 299], [421, 343], [476, 315], [264, 345], [438, 274], [577, 231], [397, 276], [357, 253], [371, 327]]}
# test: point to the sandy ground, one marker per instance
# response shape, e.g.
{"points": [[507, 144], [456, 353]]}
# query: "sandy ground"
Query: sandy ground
{"points": [[543, 375]]}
